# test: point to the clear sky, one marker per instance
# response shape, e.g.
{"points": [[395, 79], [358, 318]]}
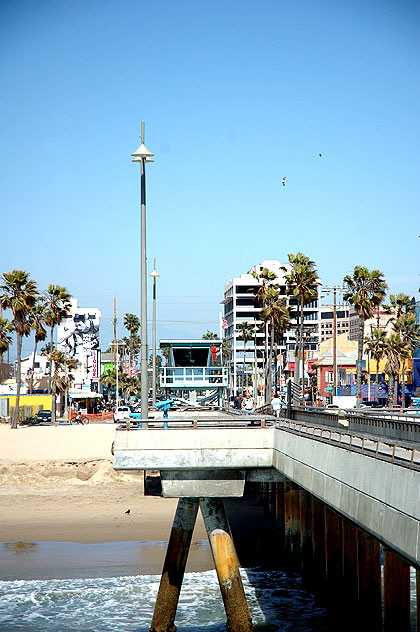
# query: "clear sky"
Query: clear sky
{"points": [[235, 95]]}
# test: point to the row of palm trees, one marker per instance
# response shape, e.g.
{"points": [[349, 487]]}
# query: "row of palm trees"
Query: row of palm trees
{"points": [[33, 310], [364, 289]]}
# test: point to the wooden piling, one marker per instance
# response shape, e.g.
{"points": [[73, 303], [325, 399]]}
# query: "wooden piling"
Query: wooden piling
{"points": [[319, 569], [174, 566], [369, 606], [227, 565], [292, 525], [396, 593]]}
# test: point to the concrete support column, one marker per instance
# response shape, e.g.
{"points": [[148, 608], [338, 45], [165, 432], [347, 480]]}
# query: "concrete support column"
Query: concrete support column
{"points": [[319, 569], [396, 593], [174, 566], [227, 565], [369, 609], [306, 535], [292, 525]]}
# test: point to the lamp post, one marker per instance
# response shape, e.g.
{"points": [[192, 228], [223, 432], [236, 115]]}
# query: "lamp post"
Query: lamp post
{"points": [[143, 155], [154, 276]]}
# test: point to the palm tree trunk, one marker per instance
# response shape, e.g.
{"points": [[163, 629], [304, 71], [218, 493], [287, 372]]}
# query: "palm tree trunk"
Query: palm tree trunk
{"points": [[31, 382], [359, 362], [267, 371], [402, 384], [377, 380], [15, 417]]}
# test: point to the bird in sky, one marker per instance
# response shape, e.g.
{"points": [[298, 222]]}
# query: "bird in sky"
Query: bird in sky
{"points": [[320, 155], [283, 182], [128, 511]]}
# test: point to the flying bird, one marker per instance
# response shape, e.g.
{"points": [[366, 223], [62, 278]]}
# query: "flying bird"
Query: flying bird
{"points": [[283, 182], [320, 155], [128, 511]]}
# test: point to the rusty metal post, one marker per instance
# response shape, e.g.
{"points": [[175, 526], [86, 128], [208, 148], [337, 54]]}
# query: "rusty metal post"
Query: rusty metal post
{"points": [[174, 566], [319, 575], [396, 593], [227, 565]]}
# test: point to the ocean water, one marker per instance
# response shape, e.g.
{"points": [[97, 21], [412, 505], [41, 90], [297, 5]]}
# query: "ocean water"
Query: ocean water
{"points": [[100, 591]]}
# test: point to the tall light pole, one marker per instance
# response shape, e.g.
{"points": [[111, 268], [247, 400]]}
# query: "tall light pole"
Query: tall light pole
{"points": [[154, 276], [143, 155]]}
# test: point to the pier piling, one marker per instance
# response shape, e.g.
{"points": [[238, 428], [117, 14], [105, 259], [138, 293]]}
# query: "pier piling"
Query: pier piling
{"points": [[227, 565], [174, 566]]}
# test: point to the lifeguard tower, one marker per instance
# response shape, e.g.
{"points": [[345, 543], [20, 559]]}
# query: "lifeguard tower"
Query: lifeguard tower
{"points": [[194, 370]]}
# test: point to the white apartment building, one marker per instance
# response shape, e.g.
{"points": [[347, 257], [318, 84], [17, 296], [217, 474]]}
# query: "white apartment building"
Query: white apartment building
{"points": [[241, 305]]}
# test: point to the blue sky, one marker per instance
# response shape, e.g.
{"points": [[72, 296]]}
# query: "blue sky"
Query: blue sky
{"points": [[235, 95]]}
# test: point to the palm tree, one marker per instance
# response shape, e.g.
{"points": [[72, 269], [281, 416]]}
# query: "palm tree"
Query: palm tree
{"points": [[407, 327], [210, 335], [132, 324], [109, 380], [365, 290], [246, 334], [276, 314], [62, 365], [58, 306], [37, 320], [267, 279], [6, 328], [20, 294], [395, 348], [375, 344], [301, 283]]}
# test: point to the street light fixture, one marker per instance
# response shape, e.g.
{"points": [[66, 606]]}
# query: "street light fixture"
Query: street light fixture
{"points": [[143, 155], [154, 276]]}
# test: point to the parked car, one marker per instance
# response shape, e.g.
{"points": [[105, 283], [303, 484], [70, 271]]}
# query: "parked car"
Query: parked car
{"points": [[43, 416], [122, 413]]}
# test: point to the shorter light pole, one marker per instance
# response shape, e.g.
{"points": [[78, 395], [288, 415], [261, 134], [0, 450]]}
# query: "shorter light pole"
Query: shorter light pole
{"points": [[154, 276]]}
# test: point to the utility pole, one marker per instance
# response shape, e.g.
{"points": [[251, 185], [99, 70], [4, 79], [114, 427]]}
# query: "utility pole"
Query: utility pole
{"points": [[334, 289]]}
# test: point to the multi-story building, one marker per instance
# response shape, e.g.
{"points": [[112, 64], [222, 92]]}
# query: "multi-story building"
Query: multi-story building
{"points": [[327, 321], [242, 305]]}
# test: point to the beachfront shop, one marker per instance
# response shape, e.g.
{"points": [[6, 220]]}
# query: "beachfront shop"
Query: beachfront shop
{"points": [[29, 405]]}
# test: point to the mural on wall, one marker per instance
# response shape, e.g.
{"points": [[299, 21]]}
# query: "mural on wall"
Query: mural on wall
{"points": [[78, 337]]}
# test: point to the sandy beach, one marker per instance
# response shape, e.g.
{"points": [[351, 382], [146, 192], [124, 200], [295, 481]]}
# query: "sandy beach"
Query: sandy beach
{"points": [[57, 484]]}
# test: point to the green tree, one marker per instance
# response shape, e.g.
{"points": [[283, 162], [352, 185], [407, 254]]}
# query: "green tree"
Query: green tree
{"points": [[276, 314], [19, 294], [267, 280], [375, 345], [365, 290], [408, 328], [133, 342], [301, 283], [246, 334], [209, 335], [37, 318], [6, 328], [58, 305]]}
